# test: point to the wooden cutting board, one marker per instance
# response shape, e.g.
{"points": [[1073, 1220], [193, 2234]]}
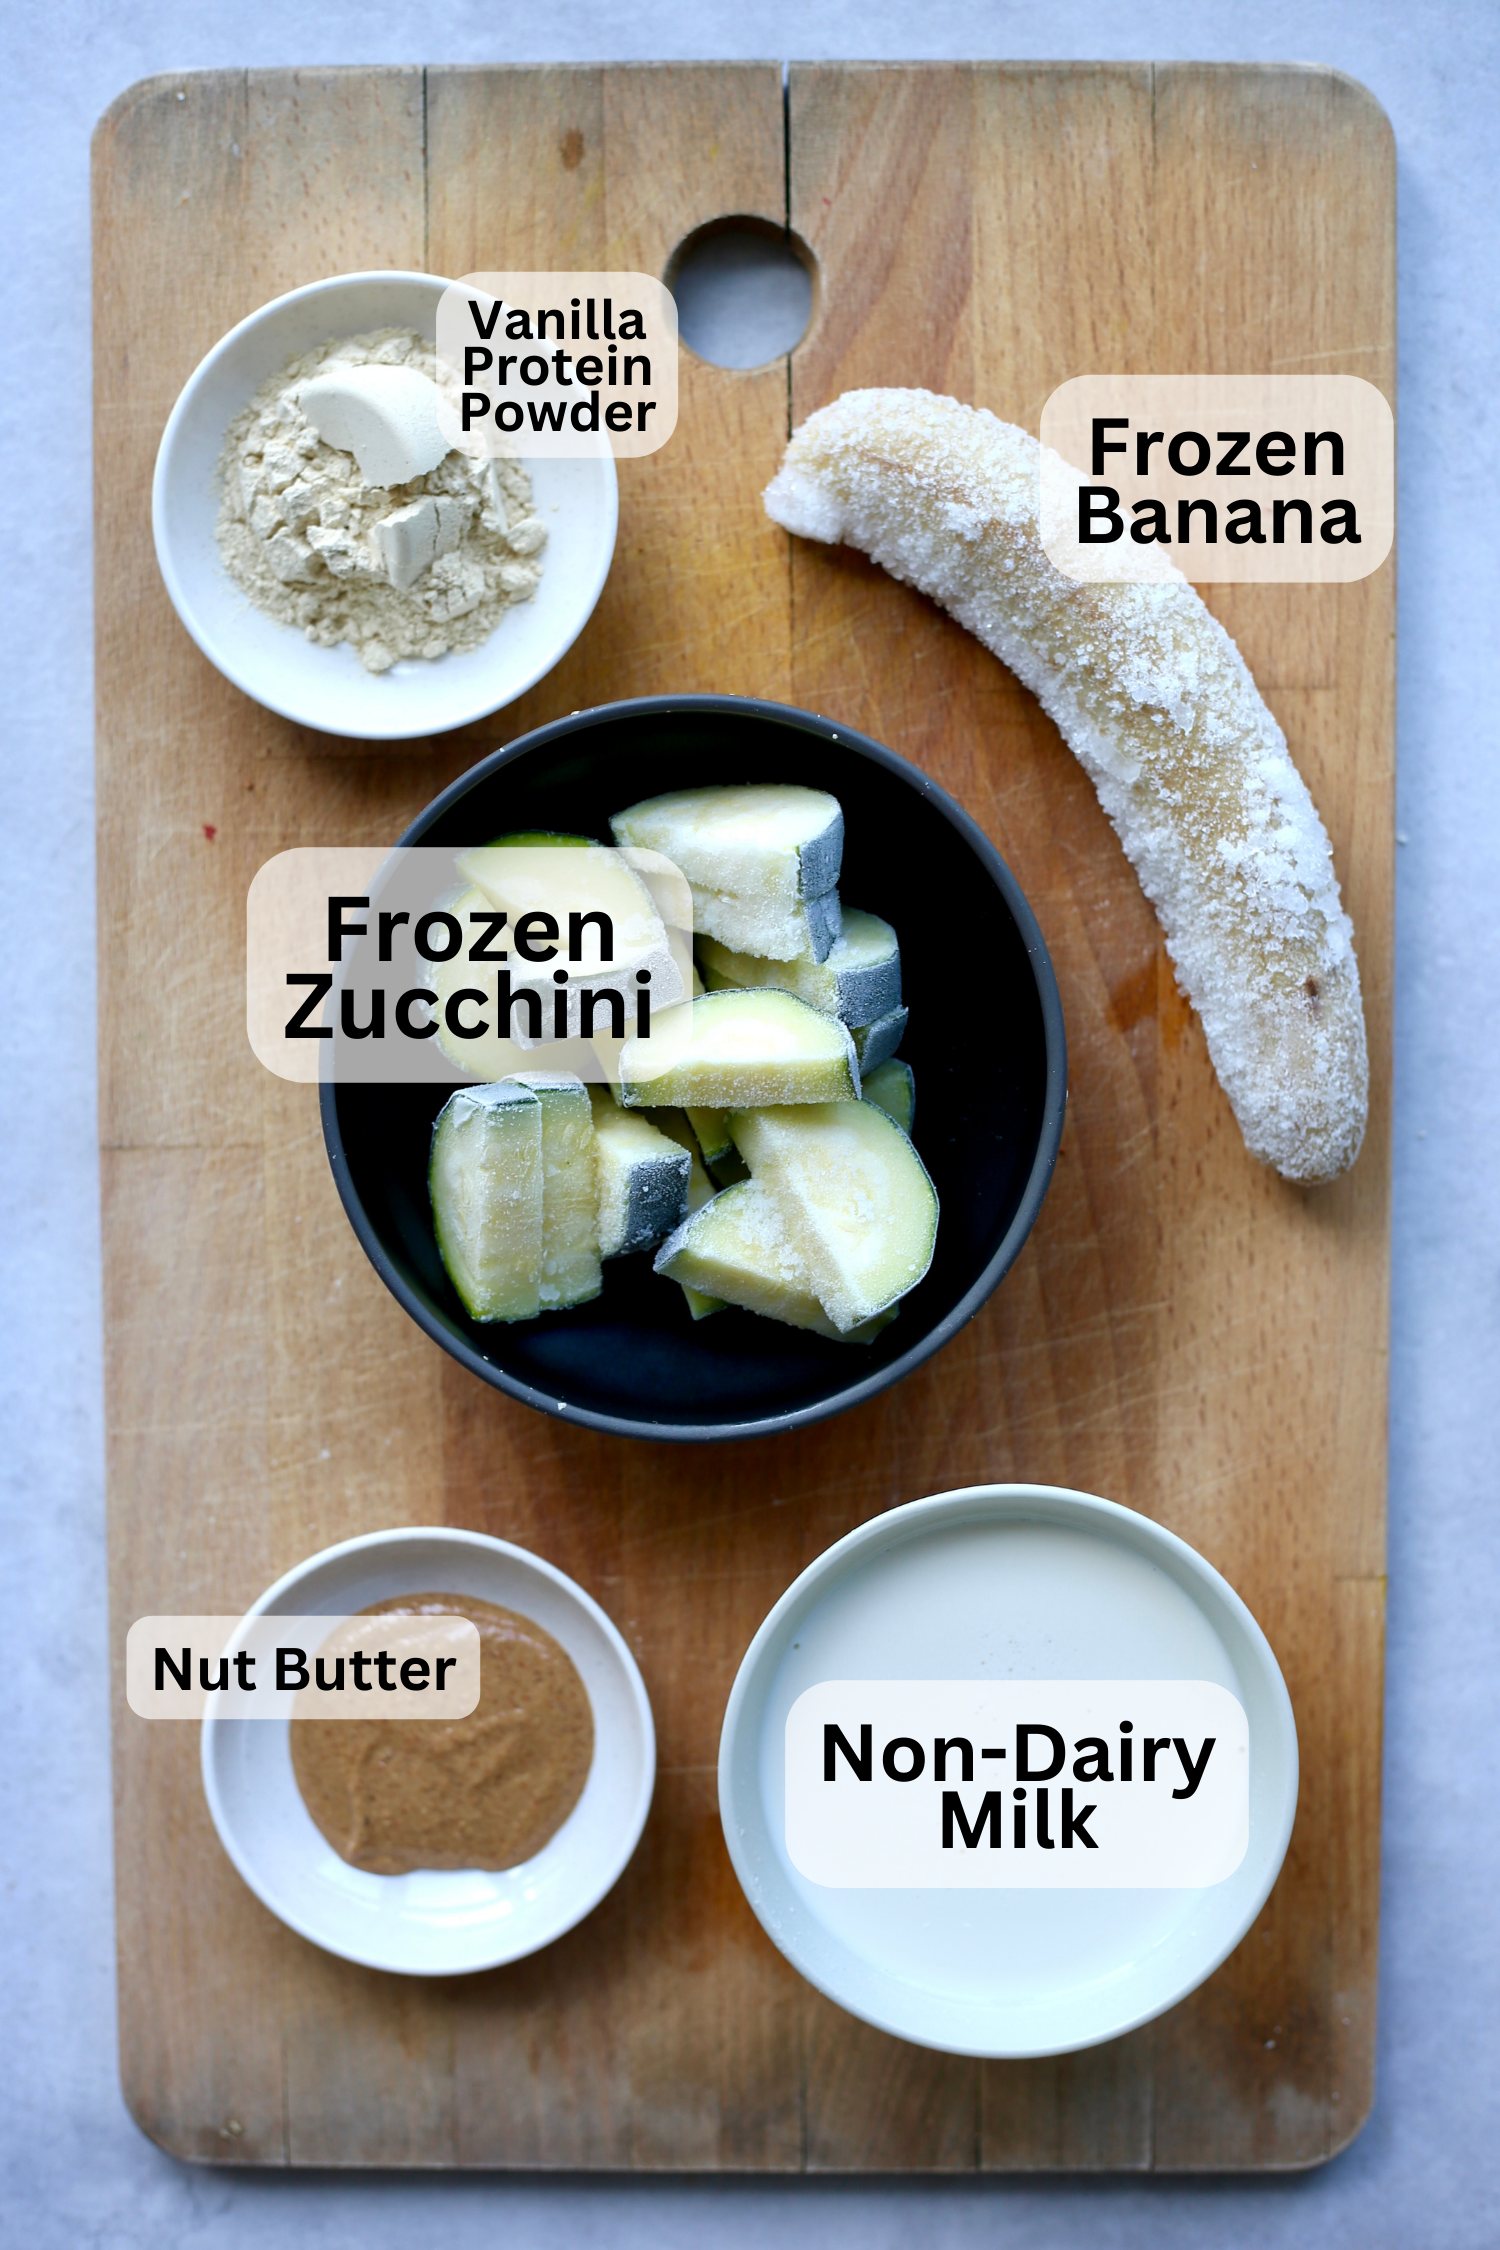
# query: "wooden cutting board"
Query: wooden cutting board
{"points": [[1185, 1332]]}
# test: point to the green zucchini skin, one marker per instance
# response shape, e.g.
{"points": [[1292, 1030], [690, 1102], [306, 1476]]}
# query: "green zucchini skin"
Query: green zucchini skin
{"points": [[875, 1043], [893, 1088]]}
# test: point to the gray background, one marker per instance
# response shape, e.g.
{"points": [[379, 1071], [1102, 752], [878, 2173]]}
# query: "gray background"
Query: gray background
{"points": [[1425, 2170]]}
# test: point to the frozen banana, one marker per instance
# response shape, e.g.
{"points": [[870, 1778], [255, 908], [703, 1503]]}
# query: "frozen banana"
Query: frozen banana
{"points": [[1155, 701]]}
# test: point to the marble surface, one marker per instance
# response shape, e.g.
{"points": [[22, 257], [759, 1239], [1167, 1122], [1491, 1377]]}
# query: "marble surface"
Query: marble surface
{"points": [[1426, 2170]]}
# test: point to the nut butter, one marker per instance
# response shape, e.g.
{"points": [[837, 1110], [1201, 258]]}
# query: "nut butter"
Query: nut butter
{"points": [[487, 1790]]}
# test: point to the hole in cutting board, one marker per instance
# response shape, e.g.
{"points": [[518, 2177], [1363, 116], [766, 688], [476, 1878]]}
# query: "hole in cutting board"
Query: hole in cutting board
{"points": [[744, 290]]}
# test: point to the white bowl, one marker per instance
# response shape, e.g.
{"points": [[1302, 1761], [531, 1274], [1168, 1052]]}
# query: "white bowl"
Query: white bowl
{"points": [[434, 1923], [329, 688], [1018, 1582]]}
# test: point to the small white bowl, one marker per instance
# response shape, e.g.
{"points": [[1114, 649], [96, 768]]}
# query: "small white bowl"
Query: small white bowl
{"points": [[329, 688], [434, 1923], [997, 1583]]}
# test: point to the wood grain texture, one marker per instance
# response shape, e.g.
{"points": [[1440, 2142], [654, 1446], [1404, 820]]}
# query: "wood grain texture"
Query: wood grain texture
{"points": [[1185, 1332]]}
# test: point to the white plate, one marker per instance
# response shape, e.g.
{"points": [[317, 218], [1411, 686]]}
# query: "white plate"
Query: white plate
{"points": [[433, 1923], [329, 688], [1003, 1582]]}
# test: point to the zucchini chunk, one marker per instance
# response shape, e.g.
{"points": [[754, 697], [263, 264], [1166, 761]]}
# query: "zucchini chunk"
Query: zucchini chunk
{"points": [[736, 1248], [485, 1181], [853, 1195], [892, 1088], [570, 1207], [580, 897], [642, 1178], [875, 1043], [762, 862], [701, 1190], [716, 1145], [859, 982], [744, 1049]]}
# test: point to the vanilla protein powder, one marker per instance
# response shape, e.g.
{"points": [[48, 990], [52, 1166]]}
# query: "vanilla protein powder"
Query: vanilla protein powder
{"points": [[313, 545]]}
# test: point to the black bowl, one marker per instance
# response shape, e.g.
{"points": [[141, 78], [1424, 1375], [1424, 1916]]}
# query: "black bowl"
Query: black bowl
{"points": [[985, 1041]]}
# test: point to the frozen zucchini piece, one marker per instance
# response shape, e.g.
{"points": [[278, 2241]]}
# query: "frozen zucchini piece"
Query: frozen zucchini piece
{"points": [[607, 1050], [762, 861], [859, 982], [853, 1195], [891, 1087], [485, 1181], [701, 1190], [570, 1204], [716, 1145], [738, 1249], [875, 1043], [711, 1128], [566, 896], [744, 1049], [642, 1177]]}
